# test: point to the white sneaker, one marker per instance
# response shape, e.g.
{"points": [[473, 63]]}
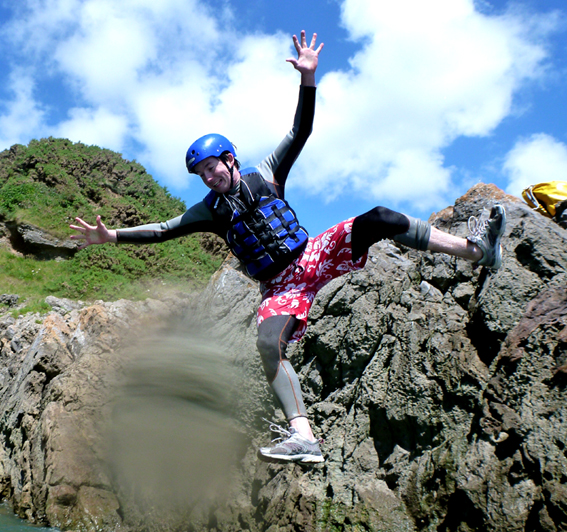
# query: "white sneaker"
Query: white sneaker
{"points": [[487, 235], [291, 447]]}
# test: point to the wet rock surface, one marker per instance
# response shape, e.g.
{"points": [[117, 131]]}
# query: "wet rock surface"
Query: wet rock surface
{"points": [[439, 391]]}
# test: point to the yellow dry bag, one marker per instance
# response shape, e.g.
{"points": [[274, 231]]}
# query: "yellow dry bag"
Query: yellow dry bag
{"points": [[543, 197]]}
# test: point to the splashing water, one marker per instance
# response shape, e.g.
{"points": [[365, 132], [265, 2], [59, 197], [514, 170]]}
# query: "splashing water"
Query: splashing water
{"points": [[174, 441]]}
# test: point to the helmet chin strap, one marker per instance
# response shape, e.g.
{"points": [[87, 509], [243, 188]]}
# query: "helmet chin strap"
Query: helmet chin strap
{"points": [[231, 170]]}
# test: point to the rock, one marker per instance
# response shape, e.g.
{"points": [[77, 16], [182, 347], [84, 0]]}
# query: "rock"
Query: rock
{"points": [[437, 387], [28, 239], [63, 305], [89, 509], [439, 391], [11, 300], [55, 400]]}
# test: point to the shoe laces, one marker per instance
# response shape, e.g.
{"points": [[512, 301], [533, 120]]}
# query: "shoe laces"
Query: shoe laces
{"points": [[477, 227], [283, 433]]}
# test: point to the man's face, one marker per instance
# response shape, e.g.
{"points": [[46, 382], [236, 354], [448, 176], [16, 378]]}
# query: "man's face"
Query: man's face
{"points": [[216, 175]]}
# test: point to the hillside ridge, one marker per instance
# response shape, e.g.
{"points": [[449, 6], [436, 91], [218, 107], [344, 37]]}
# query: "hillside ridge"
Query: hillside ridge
{"points": [[49, 182]]}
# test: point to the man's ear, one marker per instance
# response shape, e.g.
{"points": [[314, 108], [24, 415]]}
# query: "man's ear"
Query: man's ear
{"points": [[229, 158]]}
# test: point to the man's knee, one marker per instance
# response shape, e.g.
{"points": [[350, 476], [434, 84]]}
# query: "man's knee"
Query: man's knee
{"points": [[375, 225], [417, 236], [273, 336], [269, 349]]}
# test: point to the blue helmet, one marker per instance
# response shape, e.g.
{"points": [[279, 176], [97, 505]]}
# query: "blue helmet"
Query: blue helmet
{"points": [[211, 145]]}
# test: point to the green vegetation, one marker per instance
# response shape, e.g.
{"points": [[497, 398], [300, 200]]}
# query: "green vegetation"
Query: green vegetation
{"points": [[50, 182]]}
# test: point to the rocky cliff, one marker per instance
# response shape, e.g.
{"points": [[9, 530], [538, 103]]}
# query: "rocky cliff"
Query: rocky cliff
{"points": [[439, 391]]}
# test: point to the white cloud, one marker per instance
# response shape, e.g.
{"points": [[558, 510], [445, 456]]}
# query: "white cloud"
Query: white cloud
{"points": [[428, 72], [249, 98], [427, 177], [99, 126], [105, 56], [535, 160], [21, 115], [163, 73]]}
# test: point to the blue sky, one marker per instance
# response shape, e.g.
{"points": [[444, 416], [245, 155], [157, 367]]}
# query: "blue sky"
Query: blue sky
{"points": [[417, 101]]}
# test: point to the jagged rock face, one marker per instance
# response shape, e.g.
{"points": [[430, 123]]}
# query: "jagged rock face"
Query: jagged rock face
{"points": [[439, 391], [56, 387]]}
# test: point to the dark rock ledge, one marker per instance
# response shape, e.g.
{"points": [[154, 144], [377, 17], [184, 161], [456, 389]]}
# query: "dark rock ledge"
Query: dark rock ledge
{"points": [[439, 389]]}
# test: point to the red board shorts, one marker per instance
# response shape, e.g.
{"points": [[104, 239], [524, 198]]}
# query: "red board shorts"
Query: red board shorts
{"points": [[292, 292]]}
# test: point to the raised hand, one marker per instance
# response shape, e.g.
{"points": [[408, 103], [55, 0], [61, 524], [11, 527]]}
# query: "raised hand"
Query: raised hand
{"points": [[92, 234], [307, 58]]}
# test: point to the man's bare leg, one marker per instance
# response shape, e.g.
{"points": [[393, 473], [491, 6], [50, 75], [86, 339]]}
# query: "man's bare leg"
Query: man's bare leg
{"points": [[303, 427], [453, 245], [482, 246]]}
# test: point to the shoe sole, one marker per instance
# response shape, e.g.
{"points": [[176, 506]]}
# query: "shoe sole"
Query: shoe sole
{"points": [[499, 236], [498, 261], [304, 458], [498, 256]]}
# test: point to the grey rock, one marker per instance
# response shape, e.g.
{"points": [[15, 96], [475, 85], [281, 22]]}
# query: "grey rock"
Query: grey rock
{"points": [[28, 239], [55, 400], [439, 390], [10, 300], [63, 305]]}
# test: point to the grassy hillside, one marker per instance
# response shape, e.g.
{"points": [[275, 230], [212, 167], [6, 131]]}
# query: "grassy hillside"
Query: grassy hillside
{"points": [[50, 182]]}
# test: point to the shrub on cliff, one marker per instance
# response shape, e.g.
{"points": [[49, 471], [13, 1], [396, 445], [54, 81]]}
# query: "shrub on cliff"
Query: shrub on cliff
{"points": [[50, 182]]}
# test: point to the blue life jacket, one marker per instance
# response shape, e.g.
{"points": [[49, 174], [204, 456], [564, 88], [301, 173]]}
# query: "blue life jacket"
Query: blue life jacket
{"points": [[261, 230]]}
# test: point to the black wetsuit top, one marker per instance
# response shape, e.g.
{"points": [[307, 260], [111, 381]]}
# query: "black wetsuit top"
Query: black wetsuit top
{"points": [[274, 169]]}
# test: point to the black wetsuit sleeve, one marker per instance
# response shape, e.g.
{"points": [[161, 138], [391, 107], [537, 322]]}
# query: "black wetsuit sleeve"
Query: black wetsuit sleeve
{"points": [[275, 168], [197, 219]]}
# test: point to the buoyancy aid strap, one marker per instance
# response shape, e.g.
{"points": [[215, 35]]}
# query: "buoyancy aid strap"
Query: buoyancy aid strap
{"points": [[262, 230]]}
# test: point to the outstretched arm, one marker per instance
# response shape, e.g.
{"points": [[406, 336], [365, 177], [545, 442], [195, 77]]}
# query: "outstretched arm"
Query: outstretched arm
{"points": [[92, 234], [197, 219], [307, 58], [275, 168]]}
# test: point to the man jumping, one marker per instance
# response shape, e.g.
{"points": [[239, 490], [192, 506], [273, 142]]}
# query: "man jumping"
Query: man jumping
{"points": [[248, 209]]}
